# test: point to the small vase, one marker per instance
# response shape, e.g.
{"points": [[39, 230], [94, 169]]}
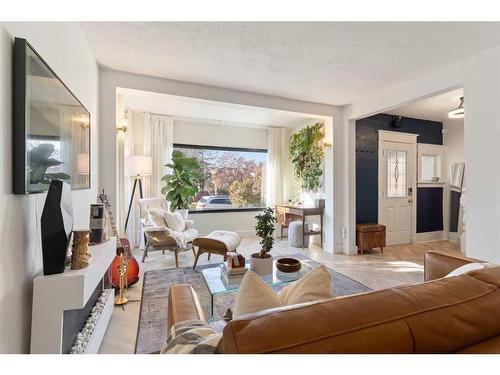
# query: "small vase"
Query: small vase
{"points": [[184, 213], [261, 266]]}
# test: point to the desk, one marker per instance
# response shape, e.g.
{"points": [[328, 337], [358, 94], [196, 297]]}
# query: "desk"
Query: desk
{"points": [[286, 213]]}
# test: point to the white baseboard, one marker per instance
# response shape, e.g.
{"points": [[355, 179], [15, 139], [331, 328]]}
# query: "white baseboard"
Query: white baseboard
{"points": [[429, 236]]}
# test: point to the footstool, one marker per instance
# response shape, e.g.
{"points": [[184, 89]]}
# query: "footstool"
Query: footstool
{"points": [[296, 234], [369, 236], [218, 242]]}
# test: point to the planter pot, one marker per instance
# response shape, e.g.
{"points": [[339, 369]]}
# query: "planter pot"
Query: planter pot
{"points": [[261, 266], [184, 213]]}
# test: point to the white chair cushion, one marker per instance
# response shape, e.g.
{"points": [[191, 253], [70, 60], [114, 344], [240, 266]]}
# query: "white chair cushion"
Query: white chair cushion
{"points": [[190, 234], [156, 217], [175, 221], [255, 295]]}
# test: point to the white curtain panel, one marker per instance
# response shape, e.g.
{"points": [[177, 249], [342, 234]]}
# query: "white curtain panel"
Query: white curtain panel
{"points": [[161, 136], [274, 167], [148, 135]]}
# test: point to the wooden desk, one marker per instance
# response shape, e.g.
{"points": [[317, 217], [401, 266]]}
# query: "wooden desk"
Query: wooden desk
{"points": [[286, 213]]}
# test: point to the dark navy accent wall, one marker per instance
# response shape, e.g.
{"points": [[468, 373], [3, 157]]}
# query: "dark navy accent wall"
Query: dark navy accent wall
{"points": [[367, 163], [429, 209]]}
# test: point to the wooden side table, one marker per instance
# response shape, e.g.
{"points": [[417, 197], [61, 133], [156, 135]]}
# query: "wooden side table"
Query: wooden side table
{"points": [[286, 213]]}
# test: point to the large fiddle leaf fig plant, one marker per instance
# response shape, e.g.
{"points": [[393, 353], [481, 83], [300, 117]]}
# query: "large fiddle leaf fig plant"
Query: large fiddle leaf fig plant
{"points": [[307, 151], [40, 159], [182, 184]]}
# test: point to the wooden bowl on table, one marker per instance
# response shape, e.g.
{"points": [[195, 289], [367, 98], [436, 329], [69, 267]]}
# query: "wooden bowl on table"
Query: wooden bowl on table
{"points": [[288, 265]]}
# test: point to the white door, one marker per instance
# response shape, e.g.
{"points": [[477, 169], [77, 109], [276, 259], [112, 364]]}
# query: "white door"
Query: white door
{"points": [[396, 188]]}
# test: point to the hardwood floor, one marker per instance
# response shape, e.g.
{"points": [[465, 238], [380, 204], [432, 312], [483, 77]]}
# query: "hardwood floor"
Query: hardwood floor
{"points": [[398, 265]]}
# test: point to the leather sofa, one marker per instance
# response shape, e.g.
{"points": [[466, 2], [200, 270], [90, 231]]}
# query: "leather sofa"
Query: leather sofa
{"points": [[441, 315]]}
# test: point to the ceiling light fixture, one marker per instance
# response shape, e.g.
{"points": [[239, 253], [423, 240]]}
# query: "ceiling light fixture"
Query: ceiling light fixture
{"points": [[458, 112]]}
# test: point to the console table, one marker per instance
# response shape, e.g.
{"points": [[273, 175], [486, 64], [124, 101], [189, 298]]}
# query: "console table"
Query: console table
{"points": [[286, 213]]}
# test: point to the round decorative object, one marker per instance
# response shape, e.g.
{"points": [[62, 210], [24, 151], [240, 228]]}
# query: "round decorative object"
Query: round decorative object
{"points": [[288, 265]]}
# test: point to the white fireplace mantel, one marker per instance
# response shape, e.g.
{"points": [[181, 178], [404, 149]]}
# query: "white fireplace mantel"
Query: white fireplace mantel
{"points": [[53, 294]]}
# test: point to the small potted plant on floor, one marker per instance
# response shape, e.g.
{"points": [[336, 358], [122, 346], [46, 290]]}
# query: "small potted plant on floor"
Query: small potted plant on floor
{"points": [[182, 184], [262, 262]]}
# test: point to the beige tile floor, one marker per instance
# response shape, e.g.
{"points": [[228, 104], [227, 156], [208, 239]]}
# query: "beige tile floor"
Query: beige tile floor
{"points": [[398, 265]]}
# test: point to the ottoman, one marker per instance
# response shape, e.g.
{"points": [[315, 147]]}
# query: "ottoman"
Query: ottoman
{"points": [[295, 237], [369, 236], [217, 242]]}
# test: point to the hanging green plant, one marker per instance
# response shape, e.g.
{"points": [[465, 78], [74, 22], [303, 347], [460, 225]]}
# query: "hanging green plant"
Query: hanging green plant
{"points": [[307, 151]]}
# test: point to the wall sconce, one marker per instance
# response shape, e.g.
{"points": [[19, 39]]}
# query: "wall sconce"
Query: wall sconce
{"points": [[122, 126], [327, 144]]}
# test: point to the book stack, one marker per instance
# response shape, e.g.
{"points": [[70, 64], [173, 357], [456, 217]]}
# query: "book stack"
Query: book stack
{"points": [[232, 275]]}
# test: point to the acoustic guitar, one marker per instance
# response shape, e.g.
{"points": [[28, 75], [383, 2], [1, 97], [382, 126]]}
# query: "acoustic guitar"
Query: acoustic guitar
{"points": [[122, 247]]}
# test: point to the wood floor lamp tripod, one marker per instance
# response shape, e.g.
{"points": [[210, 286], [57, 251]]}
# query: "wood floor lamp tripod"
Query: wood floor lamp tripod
{"points": [[136, 166]]}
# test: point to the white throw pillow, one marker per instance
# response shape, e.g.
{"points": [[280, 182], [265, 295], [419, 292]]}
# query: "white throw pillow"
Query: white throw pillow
{"points": [[467, 268], [156, 217], [256, 295], [313, 286], [175, 221]]}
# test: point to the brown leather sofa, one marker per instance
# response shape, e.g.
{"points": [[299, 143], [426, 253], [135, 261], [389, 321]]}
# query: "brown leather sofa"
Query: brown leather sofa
{"points": [[441, 315]]}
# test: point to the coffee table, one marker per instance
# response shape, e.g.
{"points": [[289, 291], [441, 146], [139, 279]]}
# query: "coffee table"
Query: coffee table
{"points": [[217, 285]]}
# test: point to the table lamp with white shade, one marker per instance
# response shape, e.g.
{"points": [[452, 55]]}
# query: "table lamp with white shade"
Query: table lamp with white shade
{"points": [[137, 166]]}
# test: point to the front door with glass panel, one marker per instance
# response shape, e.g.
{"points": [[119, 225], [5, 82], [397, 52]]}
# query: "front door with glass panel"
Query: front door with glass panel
{"points": [[396, 180]]}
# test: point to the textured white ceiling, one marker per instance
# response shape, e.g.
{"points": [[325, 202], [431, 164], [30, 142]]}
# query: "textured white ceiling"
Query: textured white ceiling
{"points": [[434, 108], [332, 62]]}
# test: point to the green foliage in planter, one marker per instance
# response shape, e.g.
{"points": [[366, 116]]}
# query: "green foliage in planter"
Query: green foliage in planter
{"points": [[182, 185], [306, 153], [265, 230], [40, 159]]}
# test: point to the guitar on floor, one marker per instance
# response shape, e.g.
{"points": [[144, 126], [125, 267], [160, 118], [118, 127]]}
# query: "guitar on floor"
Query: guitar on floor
{"points": [[122, 247]]}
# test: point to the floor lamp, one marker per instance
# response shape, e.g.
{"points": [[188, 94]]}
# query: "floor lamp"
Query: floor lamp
{"points": [[136, 166]]}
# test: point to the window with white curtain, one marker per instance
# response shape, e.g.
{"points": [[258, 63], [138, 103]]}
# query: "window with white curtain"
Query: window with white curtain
{"points": [[231, 178]]}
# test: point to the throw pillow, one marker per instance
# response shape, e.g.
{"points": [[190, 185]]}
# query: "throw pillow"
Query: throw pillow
{"points": [[256, 295], [156, 217], [466, 268], [313, 286], [175, 221]]}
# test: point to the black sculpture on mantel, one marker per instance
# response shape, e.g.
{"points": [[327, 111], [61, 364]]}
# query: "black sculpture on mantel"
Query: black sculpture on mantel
{"points": [[57, 226]]}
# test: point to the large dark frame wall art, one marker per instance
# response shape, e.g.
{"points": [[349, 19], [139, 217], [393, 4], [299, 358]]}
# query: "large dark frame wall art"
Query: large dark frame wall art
{"points": [[51, 127]]}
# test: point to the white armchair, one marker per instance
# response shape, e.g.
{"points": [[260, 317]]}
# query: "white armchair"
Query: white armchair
{"points": [[161, 237]]}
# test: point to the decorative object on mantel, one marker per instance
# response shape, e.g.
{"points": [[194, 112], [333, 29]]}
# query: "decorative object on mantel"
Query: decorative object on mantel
{"points": [[80, 256], [262, 262], [123, 247], [182, 184], [56, 227], [85, 334], [288, 265], [307, 151], [96, 223]]}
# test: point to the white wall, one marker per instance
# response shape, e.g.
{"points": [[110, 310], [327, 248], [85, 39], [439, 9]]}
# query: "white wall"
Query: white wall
{"points": [[206, 134], [111, 80], [479, 75], [453, 140], [65, 49]]}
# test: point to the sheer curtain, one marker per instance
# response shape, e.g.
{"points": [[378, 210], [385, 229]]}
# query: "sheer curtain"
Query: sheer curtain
{"points": [[148, 135], [160, 146], [274, 167]]}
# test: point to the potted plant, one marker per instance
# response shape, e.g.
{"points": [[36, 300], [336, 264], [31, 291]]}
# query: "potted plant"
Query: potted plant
{"points": [[307, 152], [40, 159], [262, 262], [182, 184]]}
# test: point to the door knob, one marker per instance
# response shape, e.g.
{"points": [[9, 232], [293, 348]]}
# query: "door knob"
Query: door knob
{"points": [[410, 200]]}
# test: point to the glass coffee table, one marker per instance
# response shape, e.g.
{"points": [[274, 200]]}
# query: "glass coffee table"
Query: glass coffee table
{"points": [[217, 284]]}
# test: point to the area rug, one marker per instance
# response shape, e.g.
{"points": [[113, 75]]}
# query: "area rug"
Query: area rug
{"points": [[151, 332]]}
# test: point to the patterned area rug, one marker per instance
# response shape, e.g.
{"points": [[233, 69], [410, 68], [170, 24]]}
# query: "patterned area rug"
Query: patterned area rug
{"points": [[153, 313]]}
